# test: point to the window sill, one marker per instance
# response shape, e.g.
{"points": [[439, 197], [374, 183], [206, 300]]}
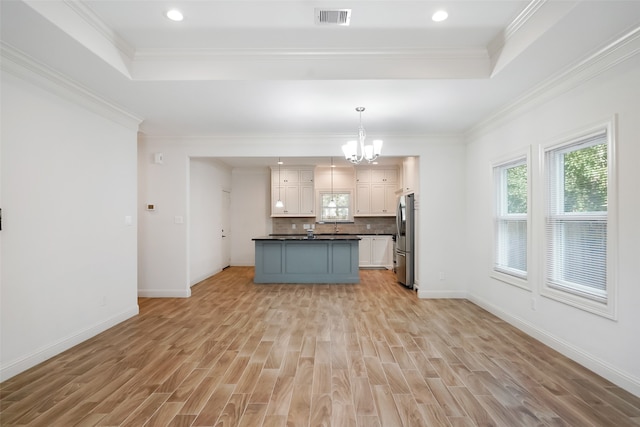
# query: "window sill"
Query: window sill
{"points": [[604, 309], [519, 282]]}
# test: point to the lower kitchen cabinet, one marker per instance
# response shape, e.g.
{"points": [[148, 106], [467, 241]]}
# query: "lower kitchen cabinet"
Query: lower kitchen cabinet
{"points": [[376, 251], [324, 259]]}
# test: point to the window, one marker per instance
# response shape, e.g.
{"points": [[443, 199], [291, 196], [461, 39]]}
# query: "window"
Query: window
{"points": [[511, 221], [577, 229], [340, 212]]}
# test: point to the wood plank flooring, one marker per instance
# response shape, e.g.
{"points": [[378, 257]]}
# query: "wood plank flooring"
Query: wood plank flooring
{"points": [[358, 355]]}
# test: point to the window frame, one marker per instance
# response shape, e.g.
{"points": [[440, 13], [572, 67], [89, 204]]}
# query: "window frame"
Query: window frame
{"points": [[498, 167], [322, 192], [575, 295]]}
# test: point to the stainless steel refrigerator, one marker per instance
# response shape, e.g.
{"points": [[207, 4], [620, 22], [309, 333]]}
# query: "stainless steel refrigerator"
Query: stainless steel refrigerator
{"points": [[405, 246]]}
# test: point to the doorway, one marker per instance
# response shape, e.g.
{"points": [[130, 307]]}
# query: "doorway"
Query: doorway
{"points": [[225, 227]]}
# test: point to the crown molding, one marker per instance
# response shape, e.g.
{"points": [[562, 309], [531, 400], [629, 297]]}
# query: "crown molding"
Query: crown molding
{"points": [[28, 69], [497, 44], [517, 24], [616, 52], [79, 22], [97, 24], [524, 16], [530, 25]]}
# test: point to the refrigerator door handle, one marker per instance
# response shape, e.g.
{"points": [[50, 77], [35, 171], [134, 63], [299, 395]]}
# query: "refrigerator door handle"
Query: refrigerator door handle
{"points": [[398, 219]]}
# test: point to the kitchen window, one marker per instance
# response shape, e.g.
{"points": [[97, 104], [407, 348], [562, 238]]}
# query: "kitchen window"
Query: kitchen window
{"points": [[579, 239], [511, 220], [339, 210]]}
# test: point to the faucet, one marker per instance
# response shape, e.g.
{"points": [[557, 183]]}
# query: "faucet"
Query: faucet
{"points": [[335, 229]]}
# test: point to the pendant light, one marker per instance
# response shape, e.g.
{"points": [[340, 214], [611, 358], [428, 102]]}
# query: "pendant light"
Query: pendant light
{"points": [[279, 203], [332, 202]]}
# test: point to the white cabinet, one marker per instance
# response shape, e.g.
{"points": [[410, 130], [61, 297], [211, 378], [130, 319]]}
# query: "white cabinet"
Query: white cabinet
{"points": [[343, 178], [384, 176], [376, 191], [376, 251], [364, 251], [306, 176], [381, 251], [363, 199], [410, 175], [383, 199], [294, 186], [306, 201]]}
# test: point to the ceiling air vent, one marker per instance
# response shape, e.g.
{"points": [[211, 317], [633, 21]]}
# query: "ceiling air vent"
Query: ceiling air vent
{"points": [[333, 16]]}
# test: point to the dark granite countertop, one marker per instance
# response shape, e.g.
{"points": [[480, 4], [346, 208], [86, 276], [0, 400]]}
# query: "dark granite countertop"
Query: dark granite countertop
{"points": [[332, 234], [304, 237]]}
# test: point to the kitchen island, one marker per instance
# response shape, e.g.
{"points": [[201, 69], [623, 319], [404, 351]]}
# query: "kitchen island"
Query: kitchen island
{"points": [[302, 259]]}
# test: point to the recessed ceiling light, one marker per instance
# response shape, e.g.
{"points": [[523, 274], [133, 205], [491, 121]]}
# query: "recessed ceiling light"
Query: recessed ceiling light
{"points": [[440, 16], [175, 15]]}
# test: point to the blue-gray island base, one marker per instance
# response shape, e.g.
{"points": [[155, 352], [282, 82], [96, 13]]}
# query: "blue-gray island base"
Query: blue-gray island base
{"points": [[298, 259]]}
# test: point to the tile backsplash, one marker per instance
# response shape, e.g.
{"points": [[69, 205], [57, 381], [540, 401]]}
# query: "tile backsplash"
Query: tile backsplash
{"points": [[377, 225]]}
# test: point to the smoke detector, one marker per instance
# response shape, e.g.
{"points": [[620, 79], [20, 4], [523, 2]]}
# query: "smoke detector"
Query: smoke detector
{"points": [[332, 16]]}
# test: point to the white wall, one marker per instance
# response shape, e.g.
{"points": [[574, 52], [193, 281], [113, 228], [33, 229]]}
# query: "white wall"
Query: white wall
{"points": [[163, 269], [68, 266], [610, 347], [442, 212], [163, 245], [165, 266], [251, 205], [164, 262], [207, 180]]}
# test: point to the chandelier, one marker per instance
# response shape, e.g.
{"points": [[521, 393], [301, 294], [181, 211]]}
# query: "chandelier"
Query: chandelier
{"points": [[357, 151]]}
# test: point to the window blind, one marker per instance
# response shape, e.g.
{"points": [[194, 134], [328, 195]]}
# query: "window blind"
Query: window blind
{"points": [[511, 218], [576, 222]]}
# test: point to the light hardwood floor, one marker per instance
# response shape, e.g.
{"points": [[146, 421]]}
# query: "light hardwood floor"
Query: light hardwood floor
{"points": [[369, 354]]}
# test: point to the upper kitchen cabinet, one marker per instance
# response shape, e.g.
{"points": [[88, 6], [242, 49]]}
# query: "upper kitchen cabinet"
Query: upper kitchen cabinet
{"points": [[294, 186], [376, 191], [410, 175], [342, 178]]}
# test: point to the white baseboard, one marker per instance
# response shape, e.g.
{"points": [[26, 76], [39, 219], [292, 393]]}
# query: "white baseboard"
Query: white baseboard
{"points": [[39, 356], [600, 367], [164, 293]]}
